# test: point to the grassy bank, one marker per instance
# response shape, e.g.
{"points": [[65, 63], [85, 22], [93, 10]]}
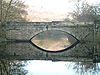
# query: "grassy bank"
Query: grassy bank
{"points": [[2, 39], [2, 34]]}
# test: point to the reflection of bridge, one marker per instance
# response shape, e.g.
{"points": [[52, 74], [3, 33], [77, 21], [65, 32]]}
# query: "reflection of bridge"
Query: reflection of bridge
{"points": [[25, 51]]}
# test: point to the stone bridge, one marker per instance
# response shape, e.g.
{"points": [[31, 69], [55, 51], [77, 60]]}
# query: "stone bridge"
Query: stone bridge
{"points": [[26, 30]]}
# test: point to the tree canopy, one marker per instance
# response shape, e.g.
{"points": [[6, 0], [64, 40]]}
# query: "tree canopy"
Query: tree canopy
{"points": [[84, 12], [13, 10]]}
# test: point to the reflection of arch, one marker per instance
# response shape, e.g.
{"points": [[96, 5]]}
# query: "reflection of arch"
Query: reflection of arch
{"points": [[74, 44]]}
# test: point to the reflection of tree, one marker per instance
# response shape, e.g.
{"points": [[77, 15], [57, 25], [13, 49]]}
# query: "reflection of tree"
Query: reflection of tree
{"points": [[10, 67], [83, 68]]}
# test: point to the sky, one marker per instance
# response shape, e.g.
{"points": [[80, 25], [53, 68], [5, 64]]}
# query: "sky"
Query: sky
{"points": [[48, 9], [58, 6], [51, 10]]}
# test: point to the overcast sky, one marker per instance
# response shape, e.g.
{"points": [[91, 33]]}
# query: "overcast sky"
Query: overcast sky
{"points": [[42, 10], [58, 6]]}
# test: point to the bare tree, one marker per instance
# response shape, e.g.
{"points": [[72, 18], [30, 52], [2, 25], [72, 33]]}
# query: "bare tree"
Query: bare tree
{"points": [[12, 11], [83, 12], [12, 67]]}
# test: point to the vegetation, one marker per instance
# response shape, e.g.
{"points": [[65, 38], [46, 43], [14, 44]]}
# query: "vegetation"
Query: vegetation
{"points": [[2, 34], [12, 10], [84, 12], [2, 39], [85, 68], [12, 67]]}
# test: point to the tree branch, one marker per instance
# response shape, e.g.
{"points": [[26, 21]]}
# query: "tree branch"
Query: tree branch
{"points": [[1, 11], [5, 19]]}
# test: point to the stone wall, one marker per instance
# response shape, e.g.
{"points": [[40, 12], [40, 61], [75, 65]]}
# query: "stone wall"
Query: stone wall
{"points": [[25, 30]]}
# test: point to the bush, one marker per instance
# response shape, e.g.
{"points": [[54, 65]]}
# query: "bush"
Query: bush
{"points": [[3, 33]]}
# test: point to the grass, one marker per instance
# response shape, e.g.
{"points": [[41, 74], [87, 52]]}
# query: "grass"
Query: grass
{"points": [[2, 35], [2, 39]]}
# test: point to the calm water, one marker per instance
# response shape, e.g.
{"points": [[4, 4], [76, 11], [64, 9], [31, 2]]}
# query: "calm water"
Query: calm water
{"points": [[43, 67]]}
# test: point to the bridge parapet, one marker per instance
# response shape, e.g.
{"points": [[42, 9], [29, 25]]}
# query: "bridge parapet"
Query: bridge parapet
{"points": [[32, 23], [26, 30]]}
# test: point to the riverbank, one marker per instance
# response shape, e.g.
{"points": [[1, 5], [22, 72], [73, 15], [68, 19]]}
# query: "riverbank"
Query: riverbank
{"points": [[2, 39], [2, 34]]}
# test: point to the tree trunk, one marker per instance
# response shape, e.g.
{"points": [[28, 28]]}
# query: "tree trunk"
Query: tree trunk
{"points": [[5, 19], [1, 12]]}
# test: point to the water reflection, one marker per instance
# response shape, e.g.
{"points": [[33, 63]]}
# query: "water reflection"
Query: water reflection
{"points": [[41, 67], [12, 67], [80, 60], [54, 40], [85, 68], [24, 50]]}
